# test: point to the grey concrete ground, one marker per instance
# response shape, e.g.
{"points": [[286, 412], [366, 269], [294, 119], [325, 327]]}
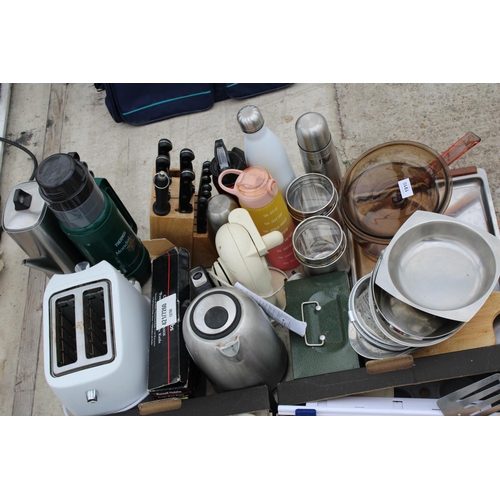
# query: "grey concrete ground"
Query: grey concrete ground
{"points": [[61, 118]]}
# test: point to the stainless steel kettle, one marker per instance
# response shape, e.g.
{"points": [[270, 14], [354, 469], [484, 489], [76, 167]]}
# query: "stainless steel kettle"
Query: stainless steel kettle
{"points": [[232, 341], [27, 220]]}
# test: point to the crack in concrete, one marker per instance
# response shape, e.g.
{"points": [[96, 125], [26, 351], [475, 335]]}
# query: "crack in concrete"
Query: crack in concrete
{"points": [[341, 148], [337, 102]]}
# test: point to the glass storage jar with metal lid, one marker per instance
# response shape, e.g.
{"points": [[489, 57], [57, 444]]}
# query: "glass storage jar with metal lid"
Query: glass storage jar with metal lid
{"points": [[320, 245], [312, 194]]}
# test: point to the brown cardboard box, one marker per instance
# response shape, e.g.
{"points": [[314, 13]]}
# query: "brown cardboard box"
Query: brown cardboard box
{"points": [[454, 365], [255, 400], [171, 370]]}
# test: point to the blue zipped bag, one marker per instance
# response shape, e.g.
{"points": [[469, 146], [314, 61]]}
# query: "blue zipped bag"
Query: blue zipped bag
{"points": [[143, 103]]}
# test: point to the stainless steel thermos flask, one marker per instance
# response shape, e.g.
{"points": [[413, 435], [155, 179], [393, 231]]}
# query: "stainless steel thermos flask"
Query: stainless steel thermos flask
{"points": [[316, 147]]}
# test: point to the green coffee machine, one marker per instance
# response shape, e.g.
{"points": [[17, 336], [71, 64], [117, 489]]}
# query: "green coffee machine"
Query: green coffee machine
{"points": [[91, 214]]}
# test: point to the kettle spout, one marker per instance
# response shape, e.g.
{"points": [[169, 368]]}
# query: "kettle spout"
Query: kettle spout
{"points": [[230, 349], [43, 264]]}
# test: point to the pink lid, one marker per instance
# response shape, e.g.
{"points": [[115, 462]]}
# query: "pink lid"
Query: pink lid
{"points": [[254, 187]]}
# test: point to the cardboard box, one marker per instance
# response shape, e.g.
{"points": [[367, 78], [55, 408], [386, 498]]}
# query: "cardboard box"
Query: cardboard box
{"points": [[171, 370], [203, 401], [255, 400], [477, 362], [466, 363]]}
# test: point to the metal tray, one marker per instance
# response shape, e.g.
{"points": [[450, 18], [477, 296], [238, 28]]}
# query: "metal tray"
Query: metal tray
{"points": [[471, 202]]}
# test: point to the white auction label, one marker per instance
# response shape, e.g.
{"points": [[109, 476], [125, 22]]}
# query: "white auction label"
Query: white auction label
{"points": [[284, 319], [166, 312], [405, 188]]}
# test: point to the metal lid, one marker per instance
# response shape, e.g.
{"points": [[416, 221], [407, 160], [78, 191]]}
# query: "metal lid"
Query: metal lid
{"points": [[215, 315], [69, 188], [60, 177], [312, 132], [311, 194], [24, 208], [318, 240], [218, 210], [250, 119]]}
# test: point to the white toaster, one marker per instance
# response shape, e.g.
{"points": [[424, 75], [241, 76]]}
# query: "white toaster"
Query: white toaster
{"points": [[96, 327]]}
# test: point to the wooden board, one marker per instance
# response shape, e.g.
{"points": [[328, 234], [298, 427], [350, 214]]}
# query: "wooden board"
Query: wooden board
{"points": [[175, 226], [478, 332], [180, 228], [31, 333]]}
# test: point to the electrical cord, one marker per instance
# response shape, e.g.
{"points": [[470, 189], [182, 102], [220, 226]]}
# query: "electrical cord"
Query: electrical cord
{"points": [[27, 151]]}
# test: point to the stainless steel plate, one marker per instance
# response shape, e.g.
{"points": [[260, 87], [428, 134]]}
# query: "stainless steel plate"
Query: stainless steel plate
{"points": [[413, 322], [407, 320], [399, 337], [369, 351], [441, 266], [361, 317]]}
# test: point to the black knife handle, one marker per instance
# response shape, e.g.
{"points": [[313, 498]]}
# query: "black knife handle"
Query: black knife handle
{"points": [[204, 194], [163, 158], [164, 147], [161, 182], [201, 217], [205, 177], [186, 158], [186, 177]]}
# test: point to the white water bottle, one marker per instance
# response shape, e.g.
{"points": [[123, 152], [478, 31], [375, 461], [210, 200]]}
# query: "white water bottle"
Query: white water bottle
{"points": [[263, 148]]}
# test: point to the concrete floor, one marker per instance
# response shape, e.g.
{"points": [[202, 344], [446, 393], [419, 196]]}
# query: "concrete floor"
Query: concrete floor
{"points": [[48, 118]]}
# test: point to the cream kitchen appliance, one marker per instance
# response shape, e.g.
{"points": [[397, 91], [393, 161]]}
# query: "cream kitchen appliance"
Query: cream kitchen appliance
{"points": [[95, 336], [242, 255]]}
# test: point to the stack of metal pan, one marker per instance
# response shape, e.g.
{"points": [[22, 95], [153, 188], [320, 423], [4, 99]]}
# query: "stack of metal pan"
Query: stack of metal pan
{"points": [[383, 326], [433, 277]]}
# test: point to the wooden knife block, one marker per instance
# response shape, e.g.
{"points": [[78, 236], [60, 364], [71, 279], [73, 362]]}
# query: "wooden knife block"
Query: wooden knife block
{"points": [[181, 229]]}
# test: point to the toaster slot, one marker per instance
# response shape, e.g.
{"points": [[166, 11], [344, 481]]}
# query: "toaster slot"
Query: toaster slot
{"points": [[94, 323], [65, 331], [81, 328]]}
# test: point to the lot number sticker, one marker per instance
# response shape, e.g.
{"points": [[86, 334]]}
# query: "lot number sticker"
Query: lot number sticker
{"points": [[166, 312], [405, 188]]}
